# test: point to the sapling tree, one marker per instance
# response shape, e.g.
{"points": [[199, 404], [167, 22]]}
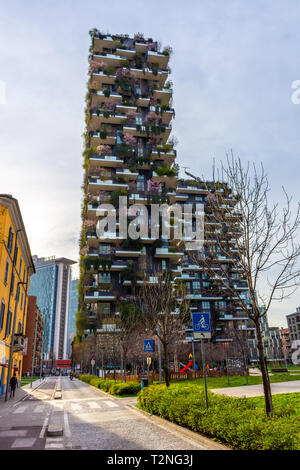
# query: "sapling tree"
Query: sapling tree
{"points": [[164, 311], [256, 246]]}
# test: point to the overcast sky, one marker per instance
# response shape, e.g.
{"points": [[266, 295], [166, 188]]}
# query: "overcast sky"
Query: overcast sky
{"points": [[233, 66]]}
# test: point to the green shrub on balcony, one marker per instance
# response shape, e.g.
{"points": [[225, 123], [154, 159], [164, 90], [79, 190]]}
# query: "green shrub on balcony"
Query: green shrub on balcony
{"points": [[134, 245], [164, 148], [114, 196], [167, 51], [106, 263], [110, 70], [106, 92], [138, 60], [106, 114], [167, 171]]}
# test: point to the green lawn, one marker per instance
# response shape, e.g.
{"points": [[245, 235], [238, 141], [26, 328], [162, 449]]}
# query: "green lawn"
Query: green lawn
{"points": [[237, 381], [27, 380]]}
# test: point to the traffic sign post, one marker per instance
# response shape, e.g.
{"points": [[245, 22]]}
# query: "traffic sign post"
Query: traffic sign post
{"points": [[201, 325], [149, 346], [202, 330], [148, 366]]}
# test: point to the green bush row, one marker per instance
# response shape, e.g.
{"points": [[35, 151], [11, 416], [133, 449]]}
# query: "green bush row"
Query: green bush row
{"points": [[114, 387], [236, 422]]}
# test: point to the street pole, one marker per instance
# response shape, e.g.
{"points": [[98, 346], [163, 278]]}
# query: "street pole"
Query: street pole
{"points": [[204, 371], [148, 369], [159, 356], [193, 352], [34, 348], [122, 365]]}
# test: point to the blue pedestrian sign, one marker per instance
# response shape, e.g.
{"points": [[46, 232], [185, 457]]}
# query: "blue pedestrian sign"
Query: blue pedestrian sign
{"points": [[201, 325], [149, 345]]}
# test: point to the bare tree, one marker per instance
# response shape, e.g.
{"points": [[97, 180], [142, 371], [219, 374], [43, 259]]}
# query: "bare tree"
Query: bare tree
{"points": [[165, 311], [258, 242], [129, 327]]}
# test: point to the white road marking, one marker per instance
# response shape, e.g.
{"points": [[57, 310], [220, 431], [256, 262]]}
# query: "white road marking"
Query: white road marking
{"points": [[67, 431], [54, 443], [45, 424], [25, 442], [111, 404], [20, 409], [13, 433], [39, 409], [75, 407], [93, 405]]}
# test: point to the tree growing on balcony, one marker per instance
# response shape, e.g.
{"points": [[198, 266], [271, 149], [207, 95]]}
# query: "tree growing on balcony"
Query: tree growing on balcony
{"points": [[164, 311], [259, 241]]}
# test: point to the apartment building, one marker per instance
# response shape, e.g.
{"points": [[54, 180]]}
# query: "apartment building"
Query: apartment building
{"points": [[34, 333], [293, 321], [51, 285], [130, 152], [16, 268]]}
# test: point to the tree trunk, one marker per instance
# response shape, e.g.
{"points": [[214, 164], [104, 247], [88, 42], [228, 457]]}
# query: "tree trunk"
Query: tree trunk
{"points": [[166, 364], [124, 365], [264, 371]]}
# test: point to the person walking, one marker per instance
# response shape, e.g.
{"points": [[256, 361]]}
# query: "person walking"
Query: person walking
{"points": [[13, 384]]}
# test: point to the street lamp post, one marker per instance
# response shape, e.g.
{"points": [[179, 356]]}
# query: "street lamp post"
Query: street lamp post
{"points": [[34, 349]]}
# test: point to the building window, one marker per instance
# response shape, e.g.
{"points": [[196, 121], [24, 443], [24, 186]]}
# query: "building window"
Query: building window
{"points": [[8, 323], [10, 239], [140, 148], [104, 249], [104, 278], [140, 185], [2, 311], [6, 271], [205, 305], [196, 287], [16, 255], [12, 283]]}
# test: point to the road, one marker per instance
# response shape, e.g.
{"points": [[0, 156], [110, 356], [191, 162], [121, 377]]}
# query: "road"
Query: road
{"points": [[90, 420]]}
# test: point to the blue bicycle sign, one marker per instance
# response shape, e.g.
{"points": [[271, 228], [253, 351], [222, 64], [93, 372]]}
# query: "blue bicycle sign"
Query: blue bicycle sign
{"points": [[201, 322]]}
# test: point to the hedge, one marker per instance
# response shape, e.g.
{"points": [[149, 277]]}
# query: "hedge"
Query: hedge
{"points": [[236, 422], [114, 387]]}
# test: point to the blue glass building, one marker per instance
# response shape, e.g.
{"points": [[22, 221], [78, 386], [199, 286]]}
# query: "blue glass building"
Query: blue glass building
{"points": [[73, 307], [51, 286]]}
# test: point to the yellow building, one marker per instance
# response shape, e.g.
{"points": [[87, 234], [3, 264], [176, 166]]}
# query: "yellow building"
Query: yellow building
{"points": [[16, 267]]}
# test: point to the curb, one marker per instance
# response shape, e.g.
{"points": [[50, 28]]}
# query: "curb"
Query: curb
{"points": [[199, 438], [55, 424], [58, 390]]}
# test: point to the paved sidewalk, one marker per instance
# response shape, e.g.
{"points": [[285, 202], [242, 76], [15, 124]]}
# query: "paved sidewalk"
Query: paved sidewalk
{"points": [[257, 390], [21, 393]]}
